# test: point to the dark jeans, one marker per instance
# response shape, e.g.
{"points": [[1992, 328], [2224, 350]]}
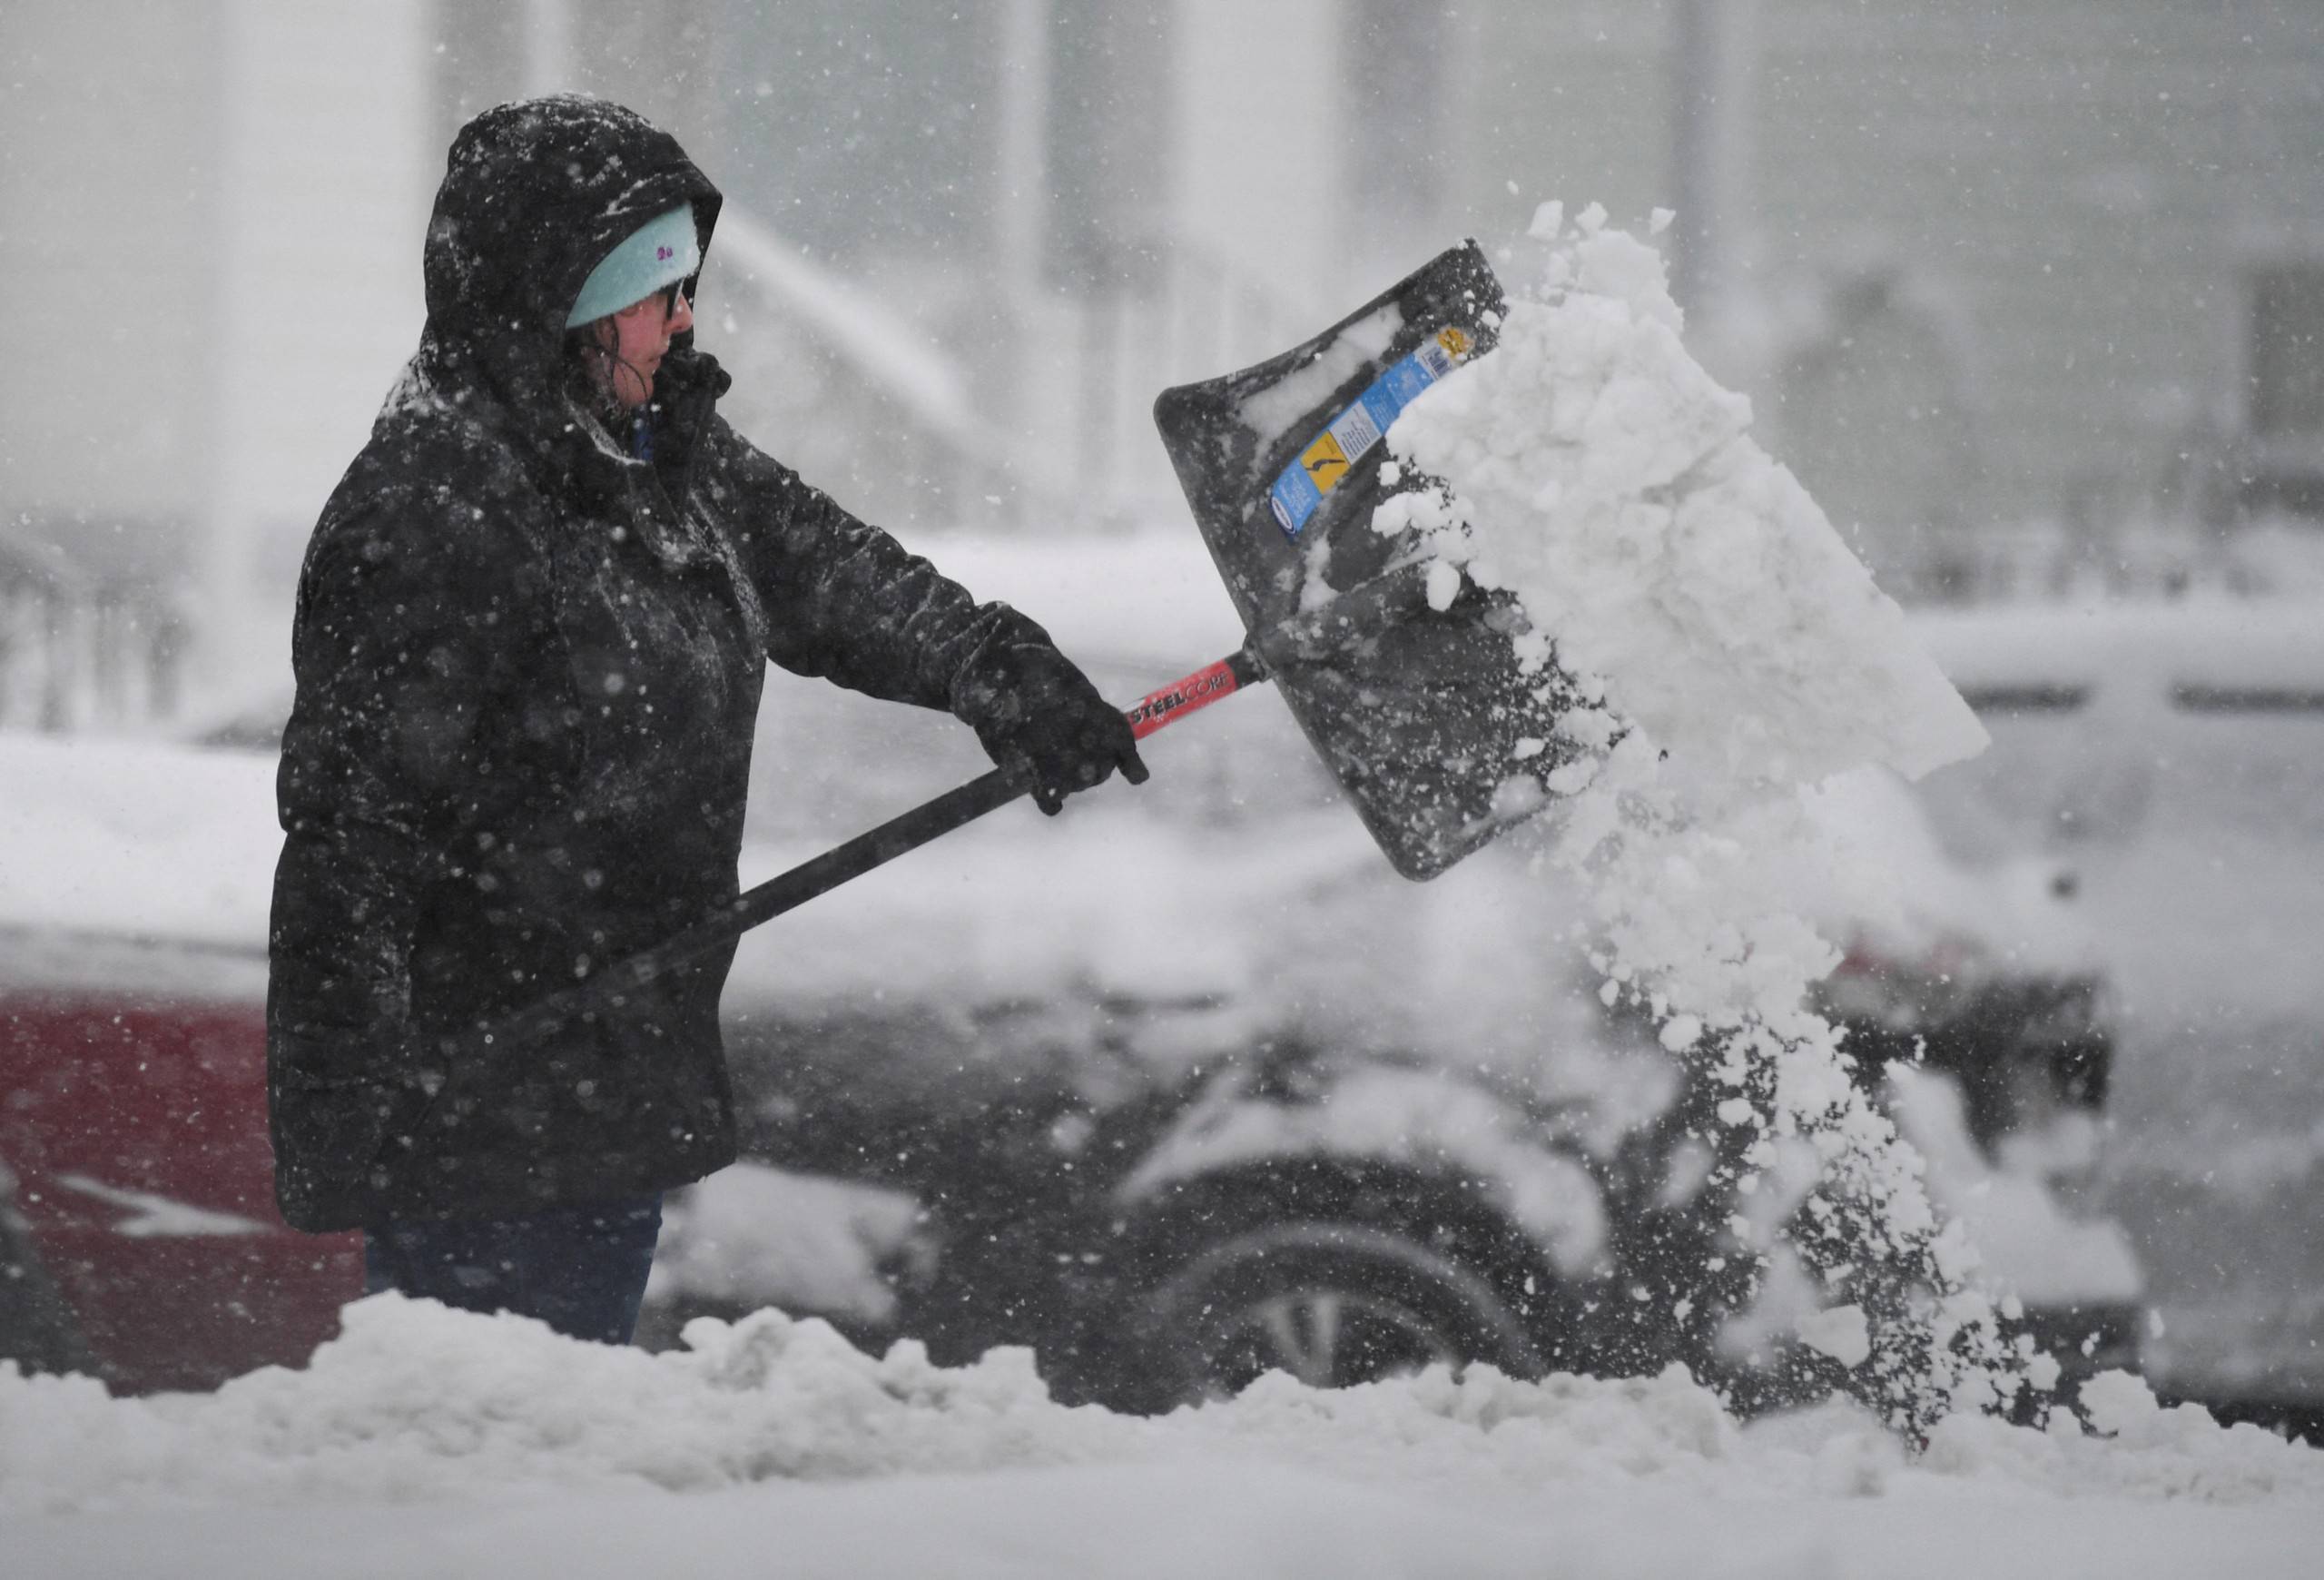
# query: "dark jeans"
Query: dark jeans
{"points": [[580, 1269]]}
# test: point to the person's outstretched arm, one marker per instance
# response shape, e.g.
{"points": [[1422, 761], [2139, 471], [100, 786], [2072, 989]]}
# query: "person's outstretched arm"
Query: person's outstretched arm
{"points": [[847, 602]]}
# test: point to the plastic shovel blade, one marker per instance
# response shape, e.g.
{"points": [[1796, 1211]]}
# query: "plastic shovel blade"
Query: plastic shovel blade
{"points": [[1422, 713]]}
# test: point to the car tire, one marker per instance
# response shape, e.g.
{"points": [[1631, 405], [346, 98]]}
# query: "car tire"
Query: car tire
{"points": [[1332, 1304]]}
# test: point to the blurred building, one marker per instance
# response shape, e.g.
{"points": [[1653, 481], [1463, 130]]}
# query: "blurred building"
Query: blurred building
{"points": [[213, 214], [1998, 273]]}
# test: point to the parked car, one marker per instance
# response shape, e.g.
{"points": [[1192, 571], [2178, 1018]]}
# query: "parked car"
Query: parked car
{"points": [[1181, 1086], [143, 1235]]}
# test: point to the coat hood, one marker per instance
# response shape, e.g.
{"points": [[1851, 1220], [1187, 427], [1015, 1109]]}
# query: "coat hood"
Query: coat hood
{"points": [[535, 193]]}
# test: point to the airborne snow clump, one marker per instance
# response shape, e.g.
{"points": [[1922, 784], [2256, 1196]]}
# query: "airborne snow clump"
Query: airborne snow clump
{"points": [[1737, 657]]}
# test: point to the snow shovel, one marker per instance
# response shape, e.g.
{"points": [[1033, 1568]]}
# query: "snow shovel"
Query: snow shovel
{"points": [[1419, 711]]}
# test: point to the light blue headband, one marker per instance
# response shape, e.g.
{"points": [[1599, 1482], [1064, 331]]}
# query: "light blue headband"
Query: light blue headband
{"points": [[660, 252]]}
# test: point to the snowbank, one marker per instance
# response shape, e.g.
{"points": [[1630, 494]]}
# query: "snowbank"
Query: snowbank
{"points": [[497, 1426], [415, 1401]]}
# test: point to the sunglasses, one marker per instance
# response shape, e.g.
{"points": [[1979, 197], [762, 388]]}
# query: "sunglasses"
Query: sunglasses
{"points": [[671, 293]]}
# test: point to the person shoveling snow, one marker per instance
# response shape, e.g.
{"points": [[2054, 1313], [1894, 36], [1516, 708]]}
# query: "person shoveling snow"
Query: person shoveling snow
{"points": [[533, 625], [1597, 570]]}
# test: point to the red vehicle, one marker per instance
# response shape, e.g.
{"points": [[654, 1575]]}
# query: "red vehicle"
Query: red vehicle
{"points": [[138, 1235]]}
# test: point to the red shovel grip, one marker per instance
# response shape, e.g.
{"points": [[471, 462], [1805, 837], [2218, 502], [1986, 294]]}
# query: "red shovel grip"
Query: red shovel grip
{"points": [[1199, 690]]}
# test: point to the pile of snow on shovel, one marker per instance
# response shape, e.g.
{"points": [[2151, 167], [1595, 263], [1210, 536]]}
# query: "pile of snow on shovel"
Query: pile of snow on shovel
{"points": [[1739, 657]]}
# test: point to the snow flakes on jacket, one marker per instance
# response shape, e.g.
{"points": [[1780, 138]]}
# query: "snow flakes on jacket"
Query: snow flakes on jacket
{"points": [[529, 666]]}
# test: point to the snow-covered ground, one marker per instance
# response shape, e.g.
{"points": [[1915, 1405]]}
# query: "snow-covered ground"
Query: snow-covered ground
{"points": [[431, 1442]]}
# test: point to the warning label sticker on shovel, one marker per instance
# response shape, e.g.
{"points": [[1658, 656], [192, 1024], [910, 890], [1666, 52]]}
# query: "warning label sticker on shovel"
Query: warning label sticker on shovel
{"points": [[1322, 464]]}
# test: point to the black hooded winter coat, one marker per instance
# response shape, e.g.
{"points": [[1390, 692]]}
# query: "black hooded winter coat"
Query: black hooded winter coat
{"points": [[528, 667]]}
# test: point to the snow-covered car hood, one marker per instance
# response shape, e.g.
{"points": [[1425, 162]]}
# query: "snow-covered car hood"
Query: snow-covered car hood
{"points": [[136, 840]]}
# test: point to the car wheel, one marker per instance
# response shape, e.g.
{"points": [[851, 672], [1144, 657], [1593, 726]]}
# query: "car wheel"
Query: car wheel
{"points": [[1332, 1304]]}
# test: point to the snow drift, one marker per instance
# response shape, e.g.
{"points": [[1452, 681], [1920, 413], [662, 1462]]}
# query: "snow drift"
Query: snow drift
{"points": [[415, 1401], [769, 1446]]}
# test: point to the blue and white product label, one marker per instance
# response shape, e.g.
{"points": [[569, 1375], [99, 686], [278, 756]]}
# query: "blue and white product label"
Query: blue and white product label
{"points": [[1295, 498], [1404, 382], [1380, 403], [1298, 493], [1356, 430]]}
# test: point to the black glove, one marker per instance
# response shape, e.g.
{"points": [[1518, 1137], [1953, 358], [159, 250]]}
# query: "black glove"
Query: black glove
{"points": [[1036, 712]]}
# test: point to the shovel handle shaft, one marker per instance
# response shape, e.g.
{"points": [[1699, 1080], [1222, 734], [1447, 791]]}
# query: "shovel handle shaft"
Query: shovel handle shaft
{"points": [[1204, 687], [875, 847], [962, 804]]}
